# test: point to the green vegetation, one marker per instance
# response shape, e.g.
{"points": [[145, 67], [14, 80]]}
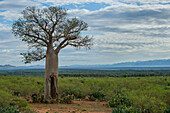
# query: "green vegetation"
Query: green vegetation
{"points": [[119, 99], [9, 110], [84, 110], [131, 94], [89, 73]]}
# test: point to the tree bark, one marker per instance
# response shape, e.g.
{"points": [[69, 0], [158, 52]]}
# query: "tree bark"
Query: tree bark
{"points": [[51, 75]]}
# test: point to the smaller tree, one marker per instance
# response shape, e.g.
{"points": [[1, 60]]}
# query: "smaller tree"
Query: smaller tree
{"points": [[47, 31]]}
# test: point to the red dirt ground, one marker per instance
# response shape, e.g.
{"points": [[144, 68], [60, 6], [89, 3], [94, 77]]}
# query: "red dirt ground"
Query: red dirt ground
{"points": [[76, 107]]}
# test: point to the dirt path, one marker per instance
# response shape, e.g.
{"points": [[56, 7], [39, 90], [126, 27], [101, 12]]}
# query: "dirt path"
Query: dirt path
{"points": [[76, 107]]}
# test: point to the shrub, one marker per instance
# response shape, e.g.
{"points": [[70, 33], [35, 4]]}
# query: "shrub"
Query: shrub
{"points": [[125, 75], [67, 99], [78, 104], [148, 104], [46, 101], [5, 99], [69, 91], [17, 93], [84, 110], [167, 110], [22, 104], [41, 90], [62, 76], [121, 109], [34, 98], [9, 102], [119, 99], [73, 91], [9, 110], [97, 95]]}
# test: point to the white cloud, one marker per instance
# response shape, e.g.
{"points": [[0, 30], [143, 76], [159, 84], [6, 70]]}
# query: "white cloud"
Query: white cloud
{"points": [[4, 27], [130, 31], [146, 1], [127, 32], [63, 2], [13, 8], [6, 50]]}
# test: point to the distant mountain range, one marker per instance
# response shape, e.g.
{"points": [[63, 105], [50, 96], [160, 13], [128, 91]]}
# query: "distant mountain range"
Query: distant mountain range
{"points": [[145, 63], [150, 63], [11, 67]]}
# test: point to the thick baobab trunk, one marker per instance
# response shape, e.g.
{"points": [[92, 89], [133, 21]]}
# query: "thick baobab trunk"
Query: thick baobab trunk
{"points": [[51, 75]]}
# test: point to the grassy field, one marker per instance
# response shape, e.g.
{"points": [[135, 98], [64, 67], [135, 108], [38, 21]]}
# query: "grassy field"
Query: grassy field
{"points": [[133, 94]]}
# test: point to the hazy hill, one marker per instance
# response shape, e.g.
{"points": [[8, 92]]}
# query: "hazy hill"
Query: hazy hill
{"points": [[150, 63], [145, 63], [7, 66]]}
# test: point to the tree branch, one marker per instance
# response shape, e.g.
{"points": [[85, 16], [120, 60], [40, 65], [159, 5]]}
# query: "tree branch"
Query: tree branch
{"points": [[29, 58], [37, 21], [60, 46], [38, 38]]}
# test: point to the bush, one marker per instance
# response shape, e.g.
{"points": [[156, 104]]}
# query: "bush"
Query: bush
{"points": [[84, 110], [9, 110], [148, 104], [72, 91], [119, 99], [17, 93], [5, 99], [67, 99], [9, 102], [167, 110], [37, 98], [121, 109], [125, 76], [97, 95], [22, 104]]}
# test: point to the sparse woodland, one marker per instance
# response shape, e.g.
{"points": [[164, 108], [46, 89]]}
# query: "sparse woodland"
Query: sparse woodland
{"points": [[131, 94]]}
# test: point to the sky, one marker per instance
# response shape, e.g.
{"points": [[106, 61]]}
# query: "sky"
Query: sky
{"points": [[122, 30]]}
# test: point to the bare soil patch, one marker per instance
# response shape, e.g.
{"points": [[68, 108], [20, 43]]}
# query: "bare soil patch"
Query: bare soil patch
{"points": [[76, 107]]}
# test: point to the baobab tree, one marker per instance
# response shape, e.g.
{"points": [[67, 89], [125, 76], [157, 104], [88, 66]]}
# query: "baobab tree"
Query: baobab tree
{"points": [[47, 31]]}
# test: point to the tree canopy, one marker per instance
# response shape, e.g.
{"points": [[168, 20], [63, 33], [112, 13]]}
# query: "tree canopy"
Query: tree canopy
{"points": [[49, 27]]}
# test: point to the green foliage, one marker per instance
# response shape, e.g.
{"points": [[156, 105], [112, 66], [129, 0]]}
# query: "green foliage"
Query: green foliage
{"points": [[5, 99], [11, 88], [9, 102], [84, 110], [97, 95], [149, 104], [30, 29], [22, 104], [78, 104], [124, 75], [119, 99], [9, 110], [37, 98], [121, 109], [150, 94], [90, 73], [46, 101], [167, 110], [67, 99], [72, 91]]}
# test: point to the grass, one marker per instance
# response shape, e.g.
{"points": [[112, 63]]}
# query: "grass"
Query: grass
{"points": [[147, 93]]}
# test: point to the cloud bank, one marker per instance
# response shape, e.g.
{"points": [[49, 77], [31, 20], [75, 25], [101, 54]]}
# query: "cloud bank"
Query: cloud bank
{"points": [[123, 30]]}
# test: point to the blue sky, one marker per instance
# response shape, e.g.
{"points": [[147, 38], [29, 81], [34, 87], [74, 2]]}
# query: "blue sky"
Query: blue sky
{"points": [[123, 30]]}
